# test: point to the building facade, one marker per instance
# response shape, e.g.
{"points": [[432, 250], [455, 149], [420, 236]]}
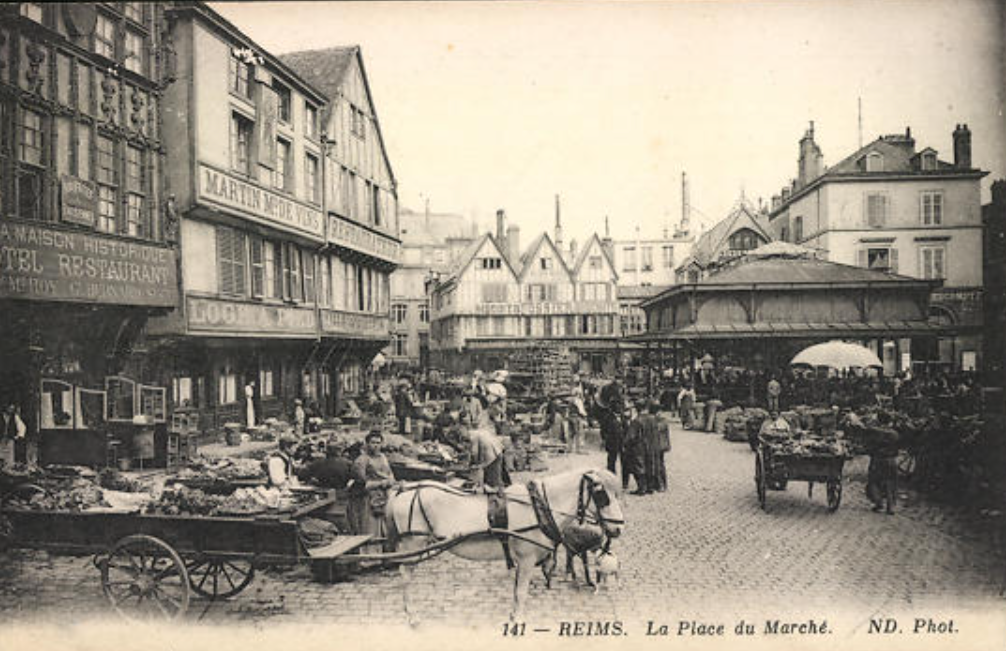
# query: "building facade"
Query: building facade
{"points": [[362, 246], [430, 242], [491, 302], [994, 285], [287, 235], [893, 208], [742, 230], [85, 241]]}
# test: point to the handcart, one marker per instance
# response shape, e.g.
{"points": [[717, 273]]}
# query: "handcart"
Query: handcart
{"points": [[774, 469]]}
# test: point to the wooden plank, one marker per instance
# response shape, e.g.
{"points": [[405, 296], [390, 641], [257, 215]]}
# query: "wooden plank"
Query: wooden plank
{"points": [[338, 547]]}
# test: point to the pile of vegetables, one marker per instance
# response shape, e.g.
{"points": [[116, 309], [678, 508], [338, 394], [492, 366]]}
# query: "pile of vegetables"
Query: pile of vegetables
{"points": [[78, 497]]}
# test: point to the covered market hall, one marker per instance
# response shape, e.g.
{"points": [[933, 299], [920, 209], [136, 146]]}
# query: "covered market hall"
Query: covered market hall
{"points": [[758, 311]]}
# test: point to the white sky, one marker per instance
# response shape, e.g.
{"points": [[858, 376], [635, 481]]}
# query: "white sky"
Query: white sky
{"points": [[503, 105]]}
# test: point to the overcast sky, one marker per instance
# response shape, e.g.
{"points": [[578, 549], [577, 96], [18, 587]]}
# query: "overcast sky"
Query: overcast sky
{"points": [[504, 105]]}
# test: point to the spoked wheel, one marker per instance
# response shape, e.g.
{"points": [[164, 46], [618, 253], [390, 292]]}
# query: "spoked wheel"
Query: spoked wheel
{"points": [[760, 480], [145, 579], [834, 494], [219, 579]]}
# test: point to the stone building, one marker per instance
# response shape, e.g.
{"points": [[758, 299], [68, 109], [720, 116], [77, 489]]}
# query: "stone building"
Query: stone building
{"points": [[891, 207]]}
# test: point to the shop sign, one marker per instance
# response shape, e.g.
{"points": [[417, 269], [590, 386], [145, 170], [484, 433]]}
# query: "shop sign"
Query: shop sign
{"points": [[52, 264], [965, 302], [353, 236], [354, 323], [259, 204], [535, 309], [235, 317], [78, 200]]}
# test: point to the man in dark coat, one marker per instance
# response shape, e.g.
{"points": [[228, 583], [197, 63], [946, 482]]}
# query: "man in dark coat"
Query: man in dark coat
{"points": [[634, 452], [658, 443], [608, 412]]}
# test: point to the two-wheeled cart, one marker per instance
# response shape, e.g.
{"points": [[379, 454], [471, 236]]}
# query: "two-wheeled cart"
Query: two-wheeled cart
{"points": [[150, 564], [774, 469]]}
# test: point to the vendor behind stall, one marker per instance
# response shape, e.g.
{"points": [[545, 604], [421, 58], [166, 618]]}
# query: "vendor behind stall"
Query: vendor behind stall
{"points": [[279, 466], [334, 470]]}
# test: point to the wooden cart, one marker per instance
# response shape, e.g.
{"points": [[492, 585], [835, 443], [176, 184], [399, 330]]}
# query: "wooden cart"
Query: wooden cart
{"points": [[151, 564], [774, 470]]}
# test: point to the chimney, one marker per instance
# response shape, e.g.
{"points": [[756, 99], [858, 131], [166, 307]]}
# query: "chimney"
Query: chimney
{"points": [[785, 194], [809, 167], [999, 192], [501, 228], [962, 147], [558, 224], [513, 242], [776, 201]]}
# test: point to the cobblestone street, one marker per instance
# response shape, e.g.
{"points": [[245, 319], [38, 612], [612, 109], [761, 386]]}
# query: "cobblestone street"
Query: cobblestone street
{"points": [[703, 546]]}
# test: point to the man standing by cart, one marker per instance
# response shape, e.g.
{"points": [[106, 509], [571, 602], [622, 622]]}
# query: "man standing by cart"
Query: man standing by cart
{"points": [[658, 443]]}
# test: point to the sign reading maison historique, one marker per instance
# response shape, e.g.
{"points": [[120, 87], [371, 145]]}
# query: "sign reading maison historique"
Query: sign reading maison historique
{"points": [[268, 207], [45, 262]]}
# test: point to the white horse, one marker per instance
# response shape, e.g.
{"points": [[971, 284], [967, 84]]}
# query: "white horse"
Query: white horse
{"points": [[430, 513]]}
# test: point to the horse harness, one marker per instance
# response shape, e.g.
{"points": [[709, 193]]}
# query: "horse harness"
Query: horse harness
{"points": [[590, 491]]}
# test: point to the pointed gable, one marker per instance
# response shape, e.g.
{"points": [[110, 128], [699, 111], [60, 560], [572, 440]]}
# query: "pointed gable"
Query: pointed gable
{"points": [[484, 247], [542, 247], [340, 74], [594, 248], [711, 244]]}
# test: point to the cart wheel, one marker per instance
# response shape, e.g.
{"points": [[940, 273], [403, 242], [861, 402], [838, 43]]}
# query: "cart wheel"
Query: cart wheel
{"points": [[760, 480], [834, 494], [219, 579], [144, 578]]}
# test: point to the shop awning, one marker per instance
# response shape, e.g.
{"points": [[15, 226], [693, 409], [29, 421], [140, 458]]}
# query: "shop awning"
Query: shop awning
{"points": [[793, 330]]}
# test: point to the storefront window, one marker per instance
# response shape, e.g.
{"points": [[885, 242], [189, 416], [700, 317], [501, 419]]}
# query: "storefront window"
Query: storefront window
{"points": [[153, 403], [121, 399], [91, 408], [57, 407], [227, 385], [181, 391]]}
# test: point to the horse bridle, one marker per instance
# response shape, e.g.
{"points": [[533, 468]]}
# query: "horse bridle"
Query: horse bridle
{"points": [[592, 491]]}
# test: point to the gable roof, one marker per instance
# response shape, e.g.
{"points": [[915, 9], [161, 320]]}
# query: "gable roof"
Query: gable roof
{"points": [[709, 244], [594, 240], [326, 70], [531, 251], [465, 259]]}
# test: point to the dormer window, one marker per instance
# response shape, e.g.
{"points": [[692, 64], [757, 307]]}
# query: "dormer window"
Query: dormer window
{"points": [[874, 162], [546, 263], [928, 162]]}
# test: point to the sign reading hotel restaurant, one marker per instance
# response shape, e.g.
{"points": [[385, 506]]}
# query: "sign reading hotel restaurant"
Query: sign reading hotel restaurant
{"points": [[531, 309], [220, 315], [353, 236], [258, 203], [78, 200], [49, 263], [354, 323]]}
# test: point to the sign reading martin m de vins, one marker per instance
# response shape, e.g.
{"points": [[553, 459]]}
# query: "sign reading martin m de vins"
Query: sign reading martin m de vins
{"points": [[258, 203], [45, 262]]}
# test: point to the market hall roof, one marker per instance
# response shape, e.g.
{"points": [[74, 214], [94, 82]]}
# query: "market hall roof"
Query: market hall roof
{"points": [[790, 273]]}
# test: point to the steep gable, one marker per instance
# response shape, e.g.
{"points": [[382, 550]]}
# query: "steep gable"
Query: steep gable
{"points": [[542, 247], [339, 73], [485, 246], [594, 248]]}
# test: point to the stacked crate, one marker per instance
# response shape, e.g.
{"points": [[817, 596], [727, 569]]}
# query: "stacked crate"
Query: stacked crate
{"points": [[550, 366]]}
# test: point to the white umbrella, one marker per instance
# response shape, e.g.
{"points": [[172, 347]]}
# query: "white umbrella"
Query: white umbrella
{"points": [[837, 354]]}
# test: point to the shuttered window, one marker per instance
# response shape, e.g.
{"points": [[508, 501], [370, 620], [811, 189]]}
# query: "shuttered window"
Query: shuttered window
{"points": [[293, 288], [232, 260], [308, 259], [257, 267], [876, 210]]}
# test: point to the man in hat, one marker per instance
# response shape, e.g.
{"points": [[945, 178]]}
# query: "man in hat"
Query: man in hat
{"points": [[609, 404], [634, 452], [279, 465]]}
